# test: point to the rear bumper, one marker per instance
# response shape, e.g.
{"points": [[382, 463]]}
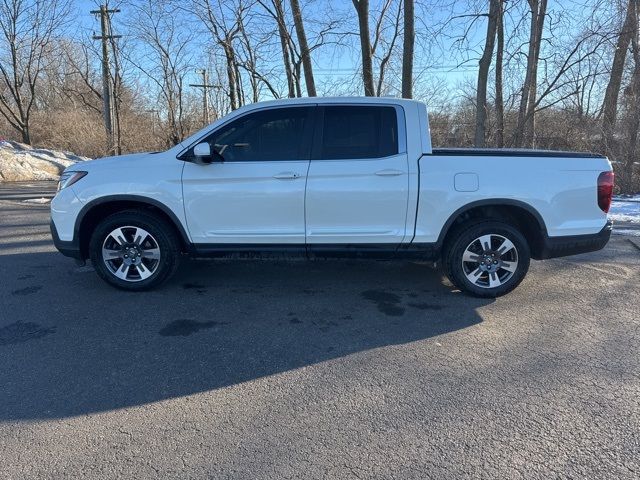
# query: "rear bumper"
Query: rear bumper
{"points": [[572, 245], [68, 249]]}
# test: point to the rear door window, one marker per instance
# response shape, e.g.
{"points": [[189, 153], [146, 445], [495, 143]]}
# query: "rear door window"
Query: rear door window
{"points": [[357, 132]]}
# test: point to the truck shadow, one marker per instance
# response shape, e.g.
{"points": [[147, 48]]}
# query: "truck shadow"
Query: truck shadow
{"points": [[70, 345]]}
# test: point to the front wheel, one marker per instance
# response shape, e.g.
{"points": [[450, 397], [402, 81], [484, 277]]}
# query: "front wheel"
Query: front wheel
{"points": [[134, 250], [487, 259]]}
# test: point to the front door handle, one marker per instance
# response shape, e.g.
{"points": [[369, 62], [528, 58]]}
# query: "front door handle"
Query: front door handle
{"points": [[389, 173], [286, 176]]}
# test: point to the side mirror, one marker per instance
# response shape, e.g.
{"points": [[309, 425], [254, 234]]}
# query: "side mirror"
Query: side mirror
{"points": [[202, 153]]}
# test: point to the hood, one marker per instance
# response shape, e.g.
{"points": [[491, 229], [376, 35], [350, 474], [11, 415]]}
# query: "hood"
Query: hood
{"points": [[116, 160]]}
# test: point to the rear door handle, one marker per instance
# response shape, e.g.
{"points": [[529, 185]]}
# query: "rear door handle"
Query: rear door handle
{"points": [[389, 173], [286, 176]]}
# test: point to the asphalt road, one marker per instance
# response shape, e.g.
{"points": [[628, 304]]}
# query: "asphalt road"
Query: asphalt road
{"points": [[313, 370]]}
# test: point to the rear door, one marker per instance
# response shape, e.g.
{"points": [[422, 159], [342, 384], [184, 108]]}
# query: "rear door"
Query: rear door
{"points": [[256, 195], [357, 185]]}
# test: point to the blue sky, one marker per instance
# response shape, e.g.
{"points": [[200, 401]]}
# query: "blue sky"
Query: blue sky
{"points": [[448, 61], [328, 61]]}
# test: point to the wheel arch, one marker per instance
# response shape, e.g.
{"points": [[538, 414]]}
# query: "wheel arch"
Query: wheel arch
{"points": [[97, 210], [517, 213]]}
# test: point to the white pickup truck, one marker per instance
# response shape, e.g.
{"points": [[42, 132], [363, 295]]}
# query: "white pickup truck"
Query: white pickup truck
{"points": [[332, 177]]}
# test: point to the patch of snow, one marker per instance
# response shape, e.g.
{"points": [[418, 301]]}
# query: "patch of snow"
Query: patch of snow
{"points": [[20, 162], [37, 200], [625, 209], [626, 231], [627, 198], [624, 218]]}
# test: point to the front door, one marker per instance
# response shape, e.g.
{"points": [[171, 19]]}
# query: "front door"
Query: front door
{"points": [[255, 195]]}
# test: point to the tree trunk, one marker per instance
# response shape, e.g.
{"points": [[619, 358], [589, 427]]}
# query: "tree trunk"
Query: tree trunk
{"points": [[633, 92], [407, 50], [296, 69], [610, 104], [499, 88], [304, 48], [362, 8], [384, 61], [231, 75], [634, 125], [524, 98], [525, 129], [250, 63], [483, 75], [284, 45], [239, 85], [530, 121], [26, 135]]}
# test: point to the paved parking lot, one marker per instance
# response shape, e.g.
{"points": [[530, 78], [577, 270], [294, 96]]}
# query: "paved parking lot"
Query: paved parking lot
{"points": [[313, 370]]}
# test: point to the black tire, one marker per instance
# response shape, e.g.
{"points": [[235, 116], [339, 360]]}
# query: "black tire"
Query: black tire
{"points": [[162, 236], [464, 237]]}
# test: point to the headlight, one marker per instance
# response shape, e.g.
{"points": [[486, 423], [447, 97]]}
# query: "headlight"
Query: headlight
{"points": [[69, 178]]}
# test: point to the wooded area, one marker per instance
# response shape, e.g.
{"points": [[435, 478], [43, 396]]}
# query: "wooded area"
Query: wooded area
{"points": [[517, 73]]}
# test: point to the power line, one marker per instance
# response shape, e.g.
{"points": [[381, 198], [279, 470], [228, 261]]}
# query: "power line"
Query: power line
{"points": [[417, 67]]}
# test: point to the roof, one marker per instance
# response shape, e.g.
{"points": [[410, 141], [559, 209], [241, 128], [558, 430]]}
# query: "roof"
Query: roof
{"points": [[292, 101], [327, 100]]}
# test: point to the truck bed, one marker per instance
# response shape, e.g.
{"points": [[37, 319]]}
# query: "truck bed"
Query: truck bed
{"points": [[512, 152]]}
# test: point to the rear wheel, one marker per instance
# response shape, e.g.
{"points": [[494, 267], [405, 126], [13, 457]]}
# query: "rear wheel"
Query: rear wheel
{"points": [[487, 259], [134, 250]]}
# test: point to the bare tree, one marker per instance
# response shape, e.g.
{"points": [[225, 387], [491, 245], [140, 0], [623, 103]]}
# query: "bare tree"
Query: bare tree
{"points": [[378, 40], [632, 92], [483, 74], [409, 38], [610, 104], [249, 58], [562, 65], [379, 48], [362, 9], [222, 21], [305, 52], [79, 80], [276, 9], [250, 63], [499, 70], [164, 58], [285, 38], [322, 38], [526, 121], [27, 28]]}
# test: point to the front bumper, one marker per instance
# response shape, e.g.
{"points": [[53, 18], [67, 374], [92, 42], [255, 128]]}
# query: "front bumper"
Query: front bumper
{"points": [[574, 244], [69, 249]]}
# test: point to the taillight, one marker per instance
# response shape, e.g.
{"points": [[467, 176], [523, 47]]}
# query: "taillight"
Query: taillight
{"points": [[605, 190]]}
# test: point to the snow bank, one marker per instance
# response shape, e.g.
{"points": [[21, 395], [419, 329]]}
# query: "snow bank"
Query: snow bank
{"points": [[625, 209], [37, 201], [626, 231], [20, 162]]}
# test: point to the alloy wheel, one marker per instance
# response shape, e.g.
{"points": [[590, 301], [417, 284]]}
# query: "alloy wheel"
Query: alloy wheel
{"points": [[131, 253], [490, 261]]}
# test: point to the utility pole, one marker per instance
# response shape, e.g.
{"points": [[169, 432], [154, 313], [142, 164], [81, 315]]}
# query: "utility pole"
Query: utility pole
{"points": [[105, 36], [205, 97], [155, 113]]}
